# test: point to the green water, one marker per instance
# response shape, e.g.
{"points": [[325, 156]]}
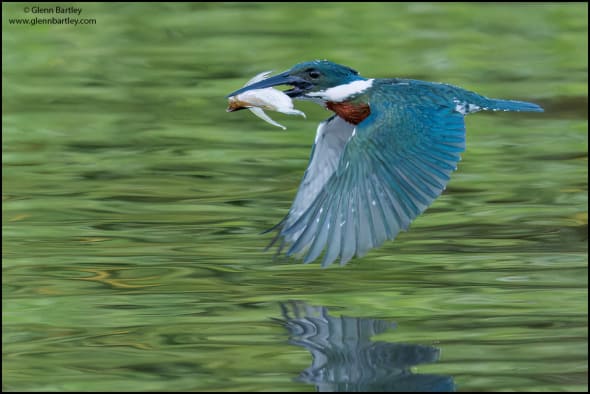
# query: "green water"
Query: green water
{"points": [[133, 203]]}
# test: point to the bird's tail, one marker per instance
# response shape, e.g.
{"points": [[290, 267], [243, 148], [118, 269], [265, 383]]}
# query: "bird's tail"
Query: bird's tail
{"points": [[510, 105]]}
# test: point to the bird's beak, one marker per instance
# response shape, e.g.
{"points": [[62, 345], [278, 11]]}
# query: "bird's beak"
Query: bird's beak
{"points": [[300, 85]]}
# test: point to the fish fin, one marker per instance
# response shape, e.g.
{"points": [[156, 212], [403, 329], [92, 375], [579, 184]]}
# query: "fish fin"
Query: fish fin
{"points": [[260, 113]]}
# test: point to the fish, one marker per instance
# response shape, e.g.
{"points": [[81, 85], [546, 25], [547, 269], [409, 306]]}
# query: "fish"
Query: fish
{"points": [[258, 100]]}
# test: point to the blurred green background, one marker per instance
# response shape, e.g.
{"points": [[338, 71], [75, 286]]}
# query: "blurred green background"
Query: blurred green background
{"points": [[133, 203]]}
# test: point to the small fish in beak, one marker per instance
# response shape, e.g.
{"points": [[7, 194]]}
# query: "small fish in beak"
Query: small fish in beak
{"points": [[258, 100]]}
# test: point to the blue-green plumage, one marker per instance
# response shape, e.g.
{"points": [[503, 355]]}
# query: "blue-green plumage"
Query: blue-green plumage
{"points": [[379, 162]]}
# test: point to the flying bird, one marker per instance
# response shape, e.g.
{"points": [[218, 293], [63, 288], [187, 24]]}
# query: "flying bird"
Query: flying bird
{"points": [[384, 156]]}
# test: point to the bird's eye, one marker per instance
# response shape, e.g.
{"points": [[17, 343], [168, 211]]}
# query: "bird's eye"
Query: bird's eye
{"points": [[314, 73]]}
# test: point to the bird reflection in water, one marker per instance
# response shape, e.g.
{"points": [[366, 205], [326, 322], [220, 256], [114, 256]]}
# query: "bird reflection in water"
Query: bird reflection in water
{"points": [[345, 359]]}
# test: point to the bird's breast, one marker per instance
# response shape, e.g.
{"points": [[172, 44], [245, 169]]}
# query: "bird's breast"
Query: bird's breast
{"points": [[351, 112]]}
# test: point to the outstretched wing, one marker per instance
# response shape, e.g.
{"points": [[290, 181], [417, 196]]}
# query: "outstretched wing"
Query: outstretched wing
{"points": [[393, 166], [330, 140], [331, 137]]}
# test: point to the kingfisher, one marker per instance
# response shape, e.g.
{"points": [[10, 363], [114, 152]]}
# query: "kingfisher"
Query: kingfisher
{"points": [[378, 162]]}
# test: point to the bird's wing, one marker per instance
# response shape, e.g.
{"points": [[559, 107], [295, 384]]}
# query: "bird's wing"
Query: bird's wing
{"points": [[396, 162], [331, 137]]}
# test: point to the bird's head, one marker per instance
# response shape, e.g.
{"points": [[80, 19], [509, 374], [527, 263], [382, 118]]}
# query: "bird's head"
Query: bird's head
{"points": [[309, 80]]}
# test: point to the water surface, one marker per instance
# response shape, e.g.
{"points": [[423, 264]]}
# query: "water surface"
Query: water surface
{"points": [[133, 203]]}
